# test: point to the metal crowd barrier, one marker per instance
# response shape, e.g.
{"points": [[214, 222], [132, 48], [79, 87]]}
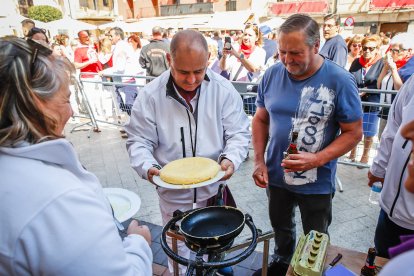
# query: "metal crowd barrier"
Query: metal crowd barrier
{"points": [[108, 99]]}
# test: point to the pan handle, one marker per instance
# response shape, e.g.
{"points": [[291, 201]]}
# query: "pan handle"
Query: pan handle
{"points": [[220, 194]]}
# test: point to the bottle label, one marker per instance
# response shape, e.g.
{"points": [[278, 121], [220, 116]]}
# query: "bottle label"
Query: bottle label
{"points": [[376, 188]]}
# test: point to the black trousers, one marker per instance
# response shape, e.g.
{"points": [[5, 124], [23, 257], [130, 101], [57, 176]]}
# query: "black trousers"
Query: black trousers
{"points": [[316, 214]]}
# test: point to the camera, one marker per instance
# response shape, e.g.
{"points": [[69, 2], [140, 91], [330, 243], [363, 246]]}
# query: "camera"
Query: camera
{"points": [[227, 43]]}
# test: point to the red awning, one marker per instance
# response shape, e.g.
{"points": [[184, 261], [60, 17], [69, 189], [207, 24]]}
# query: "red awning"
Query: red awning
{"points": [[391, 4], [287, 8]]}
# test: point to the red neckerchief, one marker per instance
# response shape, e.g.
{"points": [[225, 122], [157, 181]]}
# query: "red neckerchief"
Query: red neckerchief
{"points": [[246, 50], [400, 63], [368, 63]]}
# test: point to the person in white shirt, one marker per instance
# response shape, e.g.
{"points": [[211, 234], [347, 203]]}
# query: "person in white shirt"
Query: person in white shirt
{"points": [[123, 63], [54, 216]]}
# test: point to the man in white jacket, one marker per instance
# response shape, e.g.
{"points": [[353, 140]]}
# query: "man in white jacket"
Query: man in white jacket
{"points": [[187, 111], [390, 167]]}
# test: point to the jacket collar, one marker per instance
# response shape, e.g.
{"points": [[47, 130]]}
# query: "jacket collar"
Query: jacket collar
{"points": [[170, 86]]}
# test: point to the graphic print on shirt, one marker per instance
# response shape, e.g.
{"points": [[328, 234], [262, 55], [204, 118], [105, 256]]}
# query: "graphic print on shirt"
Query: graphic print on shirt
{"points": [[315, 109]]}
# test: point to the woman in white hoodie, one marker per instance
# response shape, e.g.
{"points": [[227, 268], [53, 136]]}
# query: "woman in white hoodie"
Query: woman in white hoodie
{"points": [[54, 217], [392, 166]]}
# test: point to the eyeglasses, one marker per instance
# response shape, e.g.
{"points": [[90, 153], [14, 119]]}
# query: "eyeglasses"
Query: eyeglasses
{"points": [[37, 48], [371, 49], [396, 51], [356, 45]]}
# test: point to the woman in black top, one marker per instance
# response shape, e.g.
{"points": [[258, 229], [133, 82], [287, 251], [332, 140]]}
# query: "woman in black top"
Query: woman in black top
{"points": [[366, 71]]}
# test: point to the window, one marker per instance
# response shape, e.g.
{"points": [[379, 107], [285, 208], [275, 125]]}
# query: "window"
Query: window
{"points": [[231, 5], [24, 6], [90, 4]]}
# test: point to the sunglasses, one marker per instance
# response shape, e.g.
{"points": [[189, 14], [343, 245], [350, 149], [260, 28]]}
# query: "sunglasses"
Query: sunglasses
{"points": [[371, 49], [356, 45], [38, 30], [37, 49]]}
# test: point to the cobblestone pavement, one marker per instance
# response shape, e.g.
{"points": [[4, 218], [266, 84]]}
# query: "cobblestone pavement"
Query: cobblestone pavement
{"points": [[354, 218]]}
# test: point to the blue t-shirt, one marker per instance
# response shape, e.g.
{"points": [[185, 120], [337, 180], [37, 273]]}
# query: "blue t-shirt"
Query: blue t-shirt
{"points": [[336, 50], [313, 107]]}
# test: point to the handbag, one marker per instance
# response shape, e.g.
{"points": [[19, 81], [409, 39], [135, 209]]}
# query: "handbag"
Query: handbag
{"points": [[227, 198]]}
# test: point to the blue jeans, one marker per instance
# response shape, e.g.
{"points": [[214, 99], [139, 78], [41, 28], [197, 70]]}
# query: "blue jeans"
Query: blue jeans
{"points": [[316, 214], [388, 234]]}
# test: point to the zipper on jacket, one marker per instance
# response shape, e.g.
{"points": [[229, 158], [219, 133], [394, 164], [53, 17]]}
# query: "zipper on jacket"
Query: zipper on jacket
{"points": [[400, 183]]}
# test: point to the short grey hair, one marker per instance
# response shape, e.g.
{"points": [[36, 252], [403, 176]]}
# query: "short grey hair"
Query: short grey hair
{"points": [[404, 40], [25, 78], [119, 31], [157, 30], [302, 22]]}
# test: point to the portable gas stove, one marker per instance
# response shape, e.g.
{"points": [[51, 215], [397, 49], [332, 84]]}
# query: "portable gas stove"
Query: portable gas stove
{"points": [[209, 231]]}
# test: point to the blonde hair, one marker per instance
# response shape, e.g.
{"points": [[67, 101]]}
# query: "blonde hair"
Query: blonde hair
{"points": [[372, 38], [354, 39], [28, 74], [106, 45], [213, 50]]}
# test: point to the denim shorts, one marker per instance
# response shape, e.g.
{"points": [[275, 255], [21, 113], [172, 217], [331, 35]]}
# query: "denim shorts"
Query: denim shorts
{"points": [[370, 124]]}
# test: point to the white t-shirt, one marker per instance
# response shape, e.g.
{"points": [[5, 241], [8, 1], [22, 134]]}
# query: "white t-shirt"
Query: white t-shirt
{"points": [[258, 58]]}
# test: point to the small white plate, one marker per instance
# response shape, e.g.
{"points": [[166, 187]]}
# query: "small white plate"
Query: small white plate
{"points": [[157, 180], [125, 203]]}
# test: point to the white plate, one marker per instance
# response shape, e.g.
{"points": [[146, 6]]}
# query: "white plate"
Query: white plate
{"points": [[157, 180], [125, 203]]}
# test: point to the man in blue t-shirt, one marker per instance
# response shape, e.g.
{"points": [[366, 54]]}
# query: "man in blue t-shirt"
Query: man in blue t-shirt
{"points": [[317, 99], [335, 47]]}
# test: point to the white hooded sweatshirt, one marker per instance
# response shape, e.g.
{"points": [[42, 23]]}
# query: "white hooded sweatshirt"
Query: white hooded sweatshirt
{"points": [[392, 158], [55, 219]]}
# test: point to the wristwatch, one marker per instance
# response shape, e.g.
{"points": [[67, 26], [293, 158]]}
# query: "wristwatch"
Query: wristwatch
{"points": [[241, 56]]}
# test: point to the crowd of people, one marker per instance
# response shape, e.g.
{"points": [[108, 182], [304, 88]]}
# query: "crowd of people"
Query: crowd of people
{"points": [[54, 215]]}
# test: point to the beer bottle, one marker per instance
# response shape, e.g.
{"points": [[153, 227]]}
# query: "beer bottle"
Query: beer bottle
{"points": [[369, 268], [292, 149]]}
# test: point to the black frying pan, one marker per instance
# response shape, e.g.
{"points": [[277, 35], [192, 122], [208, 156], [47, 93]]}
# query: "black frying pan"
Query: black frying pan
{"points": [[212, 226]]}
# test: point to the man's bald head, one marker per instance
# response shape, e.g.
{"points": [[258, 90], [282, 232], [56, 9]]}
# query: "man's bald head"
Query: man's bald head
{"points": [[83, 37], [186, 41]]}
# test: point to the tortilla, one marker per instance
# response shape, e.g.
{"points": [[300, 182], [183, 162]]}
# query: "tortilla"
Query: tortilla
{"points": [[189, 170]]}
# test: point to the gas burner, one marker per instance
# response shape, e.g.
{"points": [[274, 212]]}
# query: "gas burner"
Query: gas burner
{"points": [[218, 237]]}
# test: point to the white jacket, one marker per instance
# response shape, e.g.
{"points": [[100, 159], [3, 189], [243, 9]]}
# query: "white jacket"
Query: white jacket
{"points": [[55, 219], [393, 156], [159, 116]]}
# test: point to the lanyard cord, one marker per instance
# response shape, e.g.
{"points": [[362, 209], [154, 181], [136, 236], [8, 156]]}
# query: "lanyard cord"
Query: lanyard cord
{"points": [[194, 144]]}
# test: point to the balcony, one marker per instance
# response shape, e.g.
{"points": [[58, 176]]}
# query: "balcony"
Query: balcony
{"points": [[182, 9], [382, 5], [308, 7]]}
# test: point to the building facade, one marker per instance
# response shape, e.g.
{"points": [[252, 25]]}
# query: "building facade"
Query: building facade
{"points": [[363, 15]]}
